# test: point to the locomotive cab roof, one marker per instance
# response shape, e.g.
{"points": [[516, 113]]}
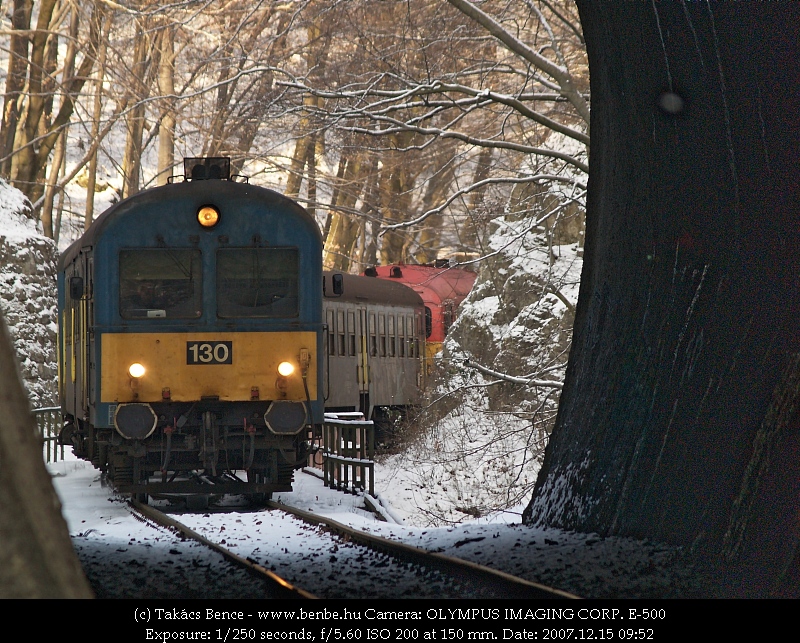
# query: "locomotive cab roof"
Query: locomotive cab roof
{"points": [[199, 191]]}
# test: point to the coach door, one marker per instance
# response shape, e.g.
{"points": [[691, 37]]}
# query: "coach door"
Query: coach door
{"points": [[364, 319], [75, 324]]}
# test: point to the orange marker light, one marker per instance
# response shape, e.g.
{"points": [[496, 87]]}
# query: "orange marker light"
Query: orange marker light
{"points": [[208, 216]]}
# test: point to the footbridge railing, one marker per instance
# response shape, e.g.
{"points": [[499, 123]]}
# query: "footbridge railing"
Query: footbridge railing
{"points": [[348, 452], [48, 419]]}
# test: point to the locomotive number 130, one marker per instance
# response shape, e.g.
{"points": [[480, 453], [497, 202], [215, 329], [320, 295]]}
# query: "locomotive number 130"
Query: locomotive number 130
{"points": [[209, 352]]}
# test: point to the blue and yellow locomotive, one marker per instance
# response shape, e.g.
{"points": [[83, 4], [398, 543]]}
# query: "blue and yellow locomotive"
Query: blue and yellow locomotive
{"points": [[191, 338]]}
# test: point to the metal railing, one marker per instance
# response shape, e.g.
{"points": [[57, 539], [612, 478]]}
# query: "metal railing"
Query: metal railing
{"points": [[348, 450], [48, 420]]}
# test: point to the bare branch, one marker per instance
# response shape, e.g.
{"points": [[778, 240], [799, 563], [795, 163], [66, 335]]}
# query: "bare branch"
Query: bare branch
{"points": [[479, 97], [478, 185], [560, 74], [510, 378]]}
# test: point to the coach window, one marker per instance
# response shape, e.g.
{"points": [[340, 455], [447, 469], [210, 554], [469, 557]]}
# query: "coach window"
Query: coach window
{"points": [[418, 335], [257, 282], [160, 282]]}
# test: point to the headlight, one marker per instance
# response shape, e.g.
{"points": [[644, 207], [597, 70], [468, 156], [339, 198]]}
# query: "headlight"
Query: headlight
{"points": [[285, 369], [208, 216], [136, 370]]}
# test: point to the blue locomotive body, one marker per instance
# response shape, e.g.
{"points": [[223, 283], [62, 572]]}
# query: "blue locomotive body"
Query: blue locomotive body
{"points": [[191, 339]]}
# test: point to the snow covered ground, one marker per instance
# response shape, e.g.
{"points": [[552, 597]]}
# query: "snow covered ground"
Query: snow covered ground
{"points": [[583, 564]]}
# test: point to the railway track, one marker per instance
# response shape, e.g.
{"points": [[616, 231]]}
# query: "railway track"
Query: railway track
{"points": [[344, 562], [274, 585], [475, 581]]}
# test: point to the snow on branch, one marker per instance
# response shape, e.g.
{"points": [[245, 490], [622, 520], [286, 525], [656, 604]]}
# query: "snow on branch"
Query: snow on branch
{"points": [[526, 381]]}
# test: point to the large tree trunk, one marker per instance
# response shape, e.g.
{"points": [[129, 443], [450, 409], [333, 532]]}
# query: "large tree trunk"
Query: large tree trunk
{"points": [[36, 559], [429, 241], [678, 419]]}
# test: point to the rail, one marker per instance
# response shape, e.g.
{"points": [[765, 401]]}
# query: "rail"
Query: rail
{"points": [[276, 586], [48, 420], [463, 574], [348, 451]]}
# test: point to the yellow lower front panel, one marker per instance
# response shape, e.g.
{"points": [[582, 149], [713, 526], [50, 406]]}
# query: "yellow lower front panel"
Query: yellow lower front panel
{"points": [[189, 366]]}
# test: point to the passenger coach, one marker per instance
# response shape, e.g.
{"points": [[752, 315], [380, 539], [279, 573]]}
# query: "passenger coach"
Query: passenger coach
{"points": [[375, 346]]}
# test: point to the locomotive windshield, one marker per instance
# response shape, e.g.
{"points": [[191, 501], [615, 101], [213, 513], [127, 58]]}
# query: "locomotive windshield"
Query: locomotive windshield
{"points": [[160, 282], [257, 282]]}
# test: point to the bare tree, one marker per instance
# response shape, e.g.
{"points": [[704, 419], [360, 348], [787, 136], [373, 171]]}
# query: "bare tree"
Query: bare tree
{"points": [[36, 134], [415, 79], [143, 69], [166, 87], [59, 155], [15, 80], [96, 112]]}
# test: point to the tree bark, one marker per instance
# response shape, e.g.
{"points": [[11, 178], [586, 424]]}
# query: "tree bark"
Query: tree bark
{"points": [[59, 154], [305, 147], [132, 159], [166, 87], [15, 81], [397, 181], [678, 420], [31, 154], [52, 187], [344, 229], [429, 238], [23, 163], [97, 112], [37, 559]]}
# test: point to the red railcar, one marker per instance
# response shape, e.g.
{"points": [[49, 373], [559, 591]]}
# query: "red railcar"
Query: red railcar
{"points": [[442, 289]]}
